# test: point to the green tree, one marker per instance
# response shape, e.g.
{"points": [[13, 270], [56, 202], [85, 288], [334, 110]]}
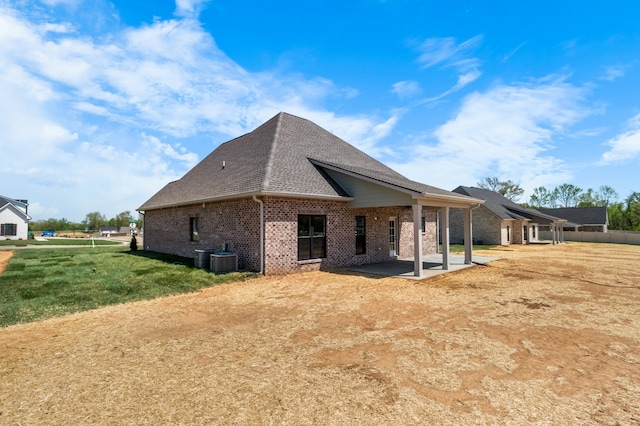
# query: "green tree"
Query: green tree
{"points": [[94, 220], [617, 217], [633, 211], [123, 219], [540, 197], [507, 188], [590, 198]]}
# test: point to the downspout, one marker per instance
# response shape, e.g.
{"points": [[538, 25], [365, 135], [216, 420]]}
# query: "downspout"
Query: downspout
{"points": [[261, 233]]}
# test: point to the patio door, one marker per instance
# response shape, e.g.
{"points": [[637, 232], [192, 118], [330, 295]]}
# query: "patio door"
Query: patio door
{"points": [[393, 240]]}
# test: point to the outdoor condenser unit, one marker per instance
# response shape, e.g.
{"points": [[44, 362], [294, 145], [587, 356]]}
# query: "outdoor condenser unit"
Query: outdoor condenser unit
{"points": [[222, 263]]}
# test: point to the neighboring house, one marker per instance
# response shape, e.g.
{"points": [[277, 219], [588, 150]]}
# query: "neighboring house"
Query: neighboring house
{"points": [[587, 219], [107, 231], [14, 220], [500, 221], [290, 196]]}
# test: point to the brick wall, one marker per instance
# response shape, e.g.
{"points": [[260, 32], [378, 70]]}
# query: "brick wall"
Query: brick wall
{"points": [[281, 221], [237, 224], [487, 228]]}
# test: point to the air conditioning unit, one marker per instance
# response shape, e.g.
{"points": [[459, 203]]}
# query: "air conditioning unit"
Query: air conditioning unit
{"points": [[221, 263]]}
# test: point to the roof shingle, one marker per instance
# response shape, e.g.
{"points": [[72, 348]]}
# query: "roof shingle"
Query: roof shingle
{"points": [[283, 156]]}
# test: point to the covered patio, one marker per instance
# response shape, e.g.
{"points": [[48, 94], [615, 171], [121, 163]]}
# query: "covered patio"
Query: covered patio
{"points": [[444, 261], [431, 266]]}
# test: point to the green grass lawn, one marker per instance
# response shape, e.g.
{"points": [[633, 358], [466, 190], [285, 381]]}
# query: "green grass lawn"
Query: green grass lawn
{"points": [[58, 242], [43, 283], [459, 248]]}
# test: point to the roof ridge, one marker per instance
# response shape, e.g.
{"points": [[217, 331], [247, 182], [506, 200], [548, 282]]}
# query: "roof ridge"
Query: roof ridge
{"points": [[272, 152]]}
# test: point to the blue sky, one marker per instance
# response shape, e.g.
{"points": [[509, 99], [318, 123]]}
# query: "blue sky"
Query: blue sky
{"points": [[104, 102]]}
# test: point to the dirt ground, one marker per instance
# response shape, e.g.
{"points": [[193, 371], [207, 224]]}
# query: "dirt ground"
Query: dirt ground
{"points": [[546, 335], [4, 259]]}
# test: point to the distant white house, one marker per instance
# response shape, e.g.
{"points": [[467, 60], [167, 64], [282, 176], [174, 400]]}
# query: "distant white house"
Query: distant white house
{"points": [[14, 220]]}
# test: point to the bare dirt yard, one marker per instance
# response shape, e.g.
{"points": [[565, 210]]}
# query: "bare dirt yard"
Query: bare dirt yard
{"points": [[546, 335]]}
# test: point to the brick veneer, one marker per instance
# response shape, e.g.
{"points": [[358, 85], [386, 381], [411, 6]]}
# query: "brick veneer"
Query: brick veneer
{"points": [[487, 227], [237, 224], [234, 222]]}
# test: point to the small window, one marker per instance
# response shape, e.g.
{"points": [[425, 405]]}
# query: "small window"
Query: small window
{"points": [[508, 234], [312, 237], [361, 235], [9, 229], [533, 231], [423, 225], [193, 229]]}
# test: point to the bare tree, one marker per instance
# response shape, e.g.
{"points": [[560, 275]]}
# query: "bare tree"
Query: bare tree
{"points": [[607, 195], [507, 188], [568, 194]]}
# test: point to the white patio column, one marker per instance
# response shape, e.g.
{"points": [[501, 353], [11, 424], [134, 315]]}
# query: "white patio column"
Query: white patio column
{"points": [[553, 233], [468, 236], [445, 237], [417, 240], [561, 234]]}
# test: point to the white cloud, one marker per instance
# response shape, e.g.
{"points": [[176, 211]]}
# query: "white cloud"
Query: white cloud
{"points": [[189, 8], [103, 123], [64, 2], [613, 72], [503, 132], [446, 53], [406, 89], [625, 146]]}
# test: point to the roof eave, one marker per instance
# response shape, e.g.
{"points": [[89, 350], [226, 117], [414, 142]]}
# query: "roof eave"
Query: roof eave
{"points": [[248, 195], [448, 200]]}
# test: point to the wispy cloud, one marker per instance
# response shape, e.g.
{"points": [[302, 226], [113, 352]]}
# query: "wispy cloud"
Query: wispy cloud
{"points": [[625, 146], [506, 131], [613, 72], [406, 89], [446, 53], [133, 107], [513, 52]]}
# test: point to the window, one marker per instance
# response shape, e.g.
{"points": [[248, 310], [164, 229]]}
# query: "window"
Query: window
{"points": [[423, 225], [312, 237], [193, 229], [361, 235], [9, 229], [508, 236], [533, 231]]}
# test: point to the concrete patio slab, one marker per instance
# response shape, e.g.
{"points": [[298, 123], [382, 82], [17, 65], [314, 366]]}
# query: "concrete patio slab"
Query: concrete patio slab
{"points": [[431, 264]]}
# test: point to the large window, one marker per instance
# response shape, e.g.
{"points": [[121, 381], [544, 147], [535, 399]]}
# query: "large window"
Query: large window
{"points": [[8, 229], [312, 237], [361, 235], [193, 229]]}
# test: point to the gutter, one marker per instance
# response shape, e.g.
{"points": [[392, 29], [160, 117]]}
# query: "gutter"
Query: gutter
{"points": [[255, 198]]}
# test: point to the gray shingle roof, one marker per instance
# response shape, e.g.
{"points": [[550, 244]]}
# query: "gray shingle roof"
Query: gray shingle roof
{"points": [[580, 215], [503, 207], [284, 156], [18, 204]]}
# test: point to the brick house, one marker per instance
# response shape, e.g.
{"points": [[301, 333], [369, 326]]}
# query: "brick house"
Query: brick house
{"points": [[500, 221], [585, 219], [290, 196], [14, 220]]}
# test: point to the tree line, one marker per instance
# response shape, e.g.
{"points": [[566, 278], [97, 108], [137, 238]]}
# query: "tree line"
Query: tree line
{"points": [[624, 214], [92, 222]]}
